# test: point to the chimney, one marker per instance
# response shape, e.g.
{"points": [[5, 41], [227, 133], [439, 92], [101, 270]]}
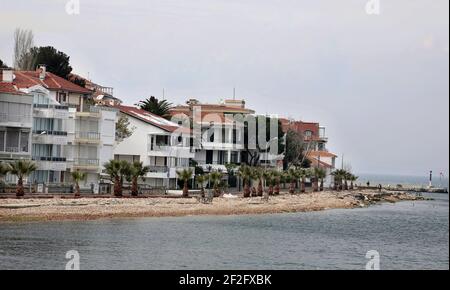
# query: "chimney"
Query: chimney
{"points": [[42, 72], [7, 76]]}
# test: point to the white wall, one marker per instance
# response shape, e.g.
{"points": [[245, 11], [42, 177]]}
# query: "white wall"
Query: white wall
{"points": [[137, 143]]}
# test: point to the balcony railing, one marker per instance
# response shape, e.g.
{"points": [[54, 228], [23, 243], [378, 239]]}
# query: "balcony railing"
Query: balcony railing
{"points": [[159, 169], [52, 159], [86, 162], [56, 107], [94, 136], [14, 150], [50, 133], [4, 118]]}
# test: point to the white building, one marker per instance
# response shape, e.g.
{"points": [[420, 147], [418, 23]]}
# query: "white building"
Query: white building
{"points": [[69, 132], [15, 121], [158, 143]]}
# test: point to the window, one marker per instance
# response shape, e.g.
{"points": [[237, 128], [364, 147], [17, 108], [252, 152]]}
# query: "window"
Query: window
{"points": [[2, 141], [24, 141], [308, 133]]}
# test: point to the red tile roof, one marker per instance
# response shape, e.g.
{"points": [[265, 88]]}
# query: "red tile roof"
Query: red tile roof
{"points": [[321, 154], [152, 119], [26, 79], [9, 88]]}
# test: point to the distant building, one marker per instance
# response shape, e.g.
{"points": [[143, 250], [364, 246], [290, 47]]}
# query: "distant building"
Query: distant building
{"points": [[156, 142], [220, 136], [316, 141], [16, 121], [69, 132]]}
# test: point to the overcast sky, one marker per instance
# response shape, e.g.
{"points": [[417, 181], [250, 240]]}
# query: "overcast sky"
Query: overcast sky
{"points": [[379, 83]]}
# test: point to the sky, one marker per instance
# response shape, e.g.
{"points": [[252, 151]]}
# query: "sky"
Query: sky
{"points": [[378, 82]]}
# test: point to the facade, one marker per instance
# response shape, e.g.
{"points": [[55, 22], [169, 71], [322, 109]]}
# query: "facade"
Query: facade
{"points": [[156, 142], [316, 141], [221, 138], [69, 132], [15, 121]]}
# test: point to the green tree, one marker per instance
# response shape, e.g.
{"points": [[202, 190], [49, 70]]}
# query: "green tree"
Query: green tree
{"points": [[23, 44], [293, 177], [245, 172], [78, 176], [123, 128], [155, 106], [319, 175], [56, 62], [201, 182], [112, 168], [185, 175], [296, 150], [138, 170], [258, 175], [302, 174], [21, 169], [216, 179], [3, 65]]}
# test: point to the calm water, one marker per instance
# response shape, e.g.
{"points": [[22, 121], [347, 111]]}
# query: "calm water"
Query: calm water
{"points": [[407, 235], [405, 180]]}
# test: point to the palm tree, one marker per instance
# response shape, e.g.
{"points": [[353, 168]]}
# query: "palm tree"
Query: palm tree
{"points": [[78, 176], [21, 169], [269, 179], [302, 175], [137, 170], [292, 174], [155, 106], [125, 172], [258, 176], [339, 176], [277, 178], [4, 169], [185, 175], [112, 168], [353, 178], [201, 182], [216, 178], [320, 174], [245, 172]]}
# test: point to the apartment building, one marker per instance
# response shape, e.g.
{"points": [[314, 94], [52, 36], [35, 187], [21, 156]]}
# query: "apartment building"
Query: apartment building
{"points": [[316, 141], [69, 131], [221, 137], [15, 121], [161, 144]]}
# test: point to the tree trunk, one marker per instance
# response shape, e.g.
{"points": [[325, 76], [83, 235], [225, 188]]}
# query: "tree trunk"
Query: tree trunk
{"points": [[302, 186], [277, 189], [316, 185], [117, 187], [321, 184], [77, 190], [246, 190], [270, 190], [20, 191], [185, 189], [134, 187], [345, 185], [292, 187], [260, 189], [254, 192]]}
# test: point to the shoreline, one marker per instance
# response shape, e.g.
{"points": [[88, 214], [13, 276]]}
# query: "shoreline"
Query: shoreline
{"points": [[87, 209]]}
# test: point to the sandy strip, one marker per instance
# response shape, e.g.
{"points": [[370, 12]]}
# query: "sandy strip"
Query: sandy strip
{"points": [[14, 210]]}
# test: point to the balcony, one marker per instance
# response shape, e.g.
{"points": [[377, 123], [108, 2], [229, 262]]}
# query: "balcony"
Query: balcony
{"points": [[87, 137], [51, 111], [171, 151], [88, 112], [86, 164], [50, 137], [10, 120], [50, 163]]}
